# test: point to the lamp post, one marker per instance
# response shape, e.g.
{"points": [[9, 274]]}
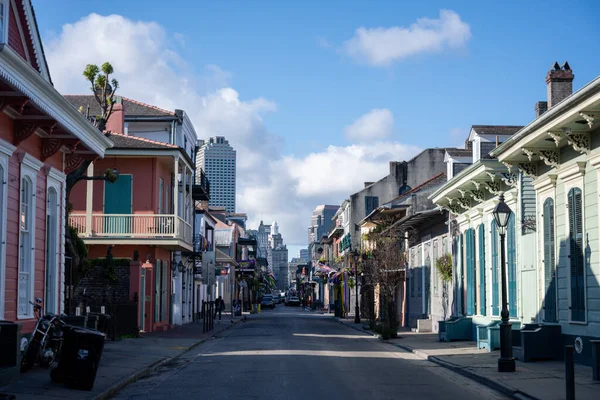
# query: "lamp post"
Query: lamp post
{"points": [[356, 257], [506, 362]]}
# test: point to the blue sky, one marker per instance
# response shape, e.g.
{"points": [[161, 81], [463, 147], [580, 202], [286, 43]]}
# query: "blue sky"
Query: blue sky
{"points": [[290, 53]]}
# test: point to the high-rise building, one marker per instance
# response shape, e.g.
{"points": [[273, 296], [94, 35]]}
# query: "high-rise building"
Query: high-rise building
{"points": [[217, 158], [303, 253], [262, 239], [278, 256], [320, 222]]}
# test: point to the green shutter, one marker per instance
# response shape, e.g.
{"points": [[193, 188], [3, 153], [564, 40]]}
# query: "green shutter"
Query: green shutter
{"points": [[470, 267], [482, 303], [576, 255], [512, 266], [549, 262], [495, 297]]}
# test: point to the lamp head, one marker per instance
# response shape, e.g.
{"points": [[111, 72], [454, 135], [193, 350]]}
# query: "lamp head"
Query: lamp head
{"points": [[502, 214]]}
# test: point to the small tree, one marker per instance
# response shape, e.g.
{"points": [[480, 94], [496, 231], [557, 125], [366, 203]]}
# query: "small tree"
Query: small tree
{"points": [[444, 268], [104, 94], [386, 269]]}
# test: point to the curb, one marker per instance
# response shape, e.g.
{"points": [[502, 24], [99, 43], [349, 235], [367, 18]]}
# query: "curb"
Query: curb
{"points": [[114, 389], [515, 394]]}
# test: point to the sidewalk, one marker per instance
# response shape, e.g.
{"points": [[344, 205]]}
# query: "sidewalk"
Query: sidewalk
{"points": [[122, 362], [544, 380]]}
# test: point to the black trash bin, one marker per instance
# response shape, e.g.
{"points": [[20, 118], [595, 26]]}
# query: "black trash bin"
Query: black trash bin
{"points": [[10, 343], [80, 357]]}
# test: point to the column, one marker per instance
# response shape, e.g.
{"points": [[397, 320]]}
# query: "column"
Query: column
{"points": [[89, 203], [176, 195]]}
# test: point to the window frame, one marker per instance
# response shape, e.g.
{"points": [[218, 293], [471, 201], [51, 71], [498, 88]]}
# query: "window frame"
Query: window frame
{"points": [[6, 151], [29, 170], [6, 21]]}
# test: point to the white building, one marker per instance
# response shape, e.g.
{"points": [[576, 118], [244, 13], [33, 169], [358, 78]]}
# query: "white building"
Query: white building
{"points": [[217, 158]]}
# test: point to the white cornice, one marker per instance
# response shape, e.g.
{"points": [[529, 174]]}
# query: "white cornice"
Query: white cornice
{"points": [[544, 182], [572, 171], [6, 148], [30, 161], [27, 80]]}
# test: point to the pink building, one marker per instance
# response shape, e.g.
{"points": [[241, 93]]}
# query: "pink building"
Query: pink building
{"points": [[42, 138]]}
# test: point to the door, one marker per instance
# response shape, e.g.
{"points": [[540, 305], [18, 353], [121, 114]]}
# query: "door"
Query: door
{"points": [[118, 198], [142, 299], [157, 291]]}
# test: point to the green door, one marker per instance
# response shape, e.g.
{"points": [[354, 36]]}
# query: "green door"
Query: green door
{"points": [[117, 200]]}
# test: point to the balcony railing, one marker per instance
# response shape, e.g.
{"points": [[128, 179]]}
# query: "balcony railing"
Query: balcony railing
{"points": [[138, 226]]}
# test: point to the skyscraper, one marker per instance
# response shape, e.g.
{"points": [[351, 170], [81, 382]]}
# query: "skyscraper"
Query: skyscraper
{"points": [[217, 158]]}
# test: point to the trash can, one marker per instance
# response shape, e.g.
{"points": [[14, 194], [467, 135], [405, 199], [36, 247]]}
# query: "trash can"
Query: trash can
{"points": [[10, 343], [80, 357]]}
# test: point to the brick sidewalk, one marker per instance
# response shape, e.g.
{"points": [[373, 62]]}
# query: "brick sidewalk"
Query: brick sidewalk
{"points": [[122, 362], [544, 380]]}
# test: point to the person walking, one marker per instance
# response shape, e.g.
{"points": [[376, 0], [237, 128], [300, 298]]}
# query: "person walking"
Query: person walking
{"points": [[219, 306]]}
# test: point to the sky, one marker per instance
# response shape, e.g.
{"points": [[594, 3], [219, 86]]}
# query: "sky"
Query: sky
{"points": [[318, 96]]}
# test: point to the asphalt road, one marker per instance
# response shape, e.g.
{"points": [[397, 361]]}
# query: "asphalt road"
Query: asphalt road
{"points": [[288, 353]]}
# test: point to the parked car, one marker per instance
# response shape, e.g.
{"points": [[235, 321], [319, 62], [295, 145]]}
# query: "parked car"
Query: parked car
{"points": [[280, 298], [293, 301], [267, 301]]}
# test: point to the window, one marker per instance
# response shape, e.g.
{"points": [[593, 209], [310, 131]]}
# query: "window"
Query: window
{"points": [[3, 22], [371, 203], [486, 148], [495, 264], [434, 267], [26, 237], [574, 207]]}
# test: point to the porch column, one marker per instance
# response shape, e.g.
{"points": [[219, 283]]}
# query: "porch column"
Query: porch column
{"points": [[89, 204], [176, 195], [189, 218]]}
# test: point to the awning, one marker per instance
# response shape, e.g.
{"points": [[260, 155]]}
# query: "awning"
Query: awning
{"points": [[411, 221]]}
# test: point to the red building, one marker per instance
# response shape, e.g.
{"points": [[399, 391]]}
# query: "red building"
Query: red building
{"points": [[42, 138]]}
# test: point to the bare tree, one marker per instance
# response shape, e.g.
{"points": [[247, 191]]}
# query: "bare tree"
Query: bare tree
{"points": [[385, 268], [104, 94]]}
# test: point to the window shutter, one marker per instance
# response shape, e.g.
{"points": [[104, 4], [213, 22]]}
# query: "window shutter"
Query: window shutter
{"points": [[512, 267], [495, 298], [549, 262], [470, 238], [576, 255], [482, 303]]}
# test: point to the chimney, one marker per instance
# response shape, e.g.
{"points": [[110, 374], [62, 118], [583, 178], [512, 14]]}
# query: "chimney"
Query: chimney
{"points": [[540, 108], [116, 122], [468, 145], [560, 83]]}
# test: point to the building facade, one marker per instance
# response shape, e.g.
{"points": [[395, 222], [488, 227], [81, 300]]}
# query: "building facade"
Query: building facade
{"points": [[42, 139], [217, 159]]}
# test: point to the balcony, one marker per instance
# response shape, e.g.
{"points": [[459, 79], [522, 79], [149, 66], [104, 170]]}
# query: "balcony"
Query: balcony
{"points": [[201, 188], [149, 229]]}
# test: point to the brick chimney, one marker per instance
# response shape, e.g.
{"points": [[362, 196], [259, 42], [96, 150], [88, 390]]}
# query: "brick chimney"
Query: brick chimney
{"points": [[540, 108], [560, 83]]}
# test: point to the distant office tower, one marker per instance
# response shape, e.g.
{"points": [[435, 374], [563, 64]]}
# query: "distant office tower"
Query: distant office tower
{"points": [[217, 158], [320, 222], [262, 237], [303, 253]]}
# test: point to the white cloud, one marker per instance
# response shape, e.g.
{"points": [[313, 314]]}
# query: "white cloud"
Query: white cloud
{"points": [[376, 124], [383, 46], [271, 186]]}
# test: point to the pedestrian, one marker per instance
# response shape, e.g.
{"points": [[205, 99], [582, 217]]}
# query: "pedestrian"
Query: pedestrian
{"points": [[219, 306]]}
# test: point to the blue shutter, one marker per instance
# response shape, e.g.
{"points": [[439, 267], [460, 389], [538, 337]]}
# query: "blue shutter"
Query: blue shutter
{"points": [[512, 267], [482, 269], [576, 255], [495, 297], [470, 267]]}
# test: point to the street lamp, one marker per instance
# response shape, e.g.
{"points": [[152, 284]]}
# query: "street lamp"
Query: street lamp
{"points": [[506, 362], [356, 257]]}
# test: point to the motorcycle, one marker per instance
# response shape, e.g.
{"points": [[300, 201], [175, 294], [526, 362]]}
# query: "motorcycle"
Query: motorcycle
{"points": [[46, 340]]}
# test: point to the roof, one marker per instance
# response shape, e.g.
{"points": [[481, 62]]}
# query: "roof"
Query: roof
{"points": [[439, 178], [459, 152], [432, 216], [131, 108], [496, 129], [134, 142], [223, 236]]}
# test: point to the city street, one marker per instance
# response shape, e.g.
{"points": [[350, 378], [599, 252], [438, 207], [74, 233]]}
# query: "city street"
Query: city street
{"points": [[288, 353]]}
